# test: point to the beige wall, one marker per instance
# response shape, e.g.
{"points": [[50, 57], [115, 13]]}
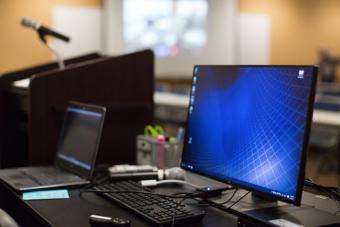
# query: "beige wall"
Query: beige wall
{"points": [[20, 47], [299, 27]]}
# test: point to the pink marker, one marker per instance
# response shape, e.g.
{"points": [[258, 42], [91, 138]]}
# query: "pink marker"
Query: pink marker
{"points": [[161, 151]]}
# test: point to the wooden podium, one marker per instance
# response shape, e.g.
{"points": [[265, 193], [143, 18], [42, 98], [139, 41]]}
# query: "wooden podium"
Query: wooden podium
{"points": [[31, 118]]}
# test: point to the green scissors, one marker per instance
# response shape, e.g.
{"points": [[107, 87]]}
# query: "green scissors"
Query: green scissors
{"points": [[153, 131]]}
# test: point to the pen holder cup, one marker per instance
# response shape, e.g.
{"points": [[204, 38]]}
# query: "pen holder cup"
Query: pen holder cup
{"points": [[157, 152]]}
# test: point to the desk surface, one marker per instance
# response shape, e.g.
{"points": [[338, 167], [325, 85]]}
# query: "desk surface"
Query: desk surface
{"points": [[76, 210]]}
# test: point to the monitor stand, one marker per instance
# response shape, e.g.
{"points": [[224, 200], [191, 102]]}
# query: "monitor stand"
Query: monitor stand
{"points": [[262, 198], [250, 202], [203, 181]]}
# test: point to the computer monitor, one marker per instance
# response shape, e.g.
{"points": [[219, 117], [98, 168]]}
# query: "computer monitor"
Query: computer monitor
{"points": [[249, 126]]}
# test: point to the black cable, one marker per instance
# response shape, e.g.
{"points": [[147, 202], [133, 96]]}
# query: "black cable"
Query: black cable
{"points": [[326, 189], [332, 192], [310, 183], [174, 211], [99, 179], [190, 196], [229, 199], [337, 202], [211, 203], [187, 195], [181, 193], [220, 206], [237, 201]]}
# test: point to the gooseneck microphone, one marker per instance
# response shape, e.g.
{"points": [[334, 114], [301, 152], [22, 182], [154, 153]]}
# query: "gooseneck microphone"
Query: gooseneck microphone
{"points": [[42, 30]]}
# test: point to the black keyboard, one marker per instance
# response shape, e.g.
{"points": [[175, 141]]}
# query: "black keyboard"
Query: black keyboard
{"points": [[157, 209]]}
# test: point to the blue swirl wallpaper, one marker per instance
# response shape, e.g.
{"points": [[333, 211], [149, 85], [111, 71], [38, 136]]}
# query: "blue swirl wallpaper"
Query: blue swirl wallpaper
{"points": [[246, 124]]}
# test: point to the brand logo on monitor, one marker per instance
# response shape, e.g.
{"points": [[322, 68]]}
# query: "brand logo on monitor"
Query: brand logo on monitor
{"points": [[192, 98]]}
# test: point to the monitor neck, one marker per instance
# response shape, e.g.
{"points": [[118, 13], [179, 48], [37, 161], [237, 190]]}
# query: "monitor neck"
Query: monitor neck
{"points": [[259, 197]]}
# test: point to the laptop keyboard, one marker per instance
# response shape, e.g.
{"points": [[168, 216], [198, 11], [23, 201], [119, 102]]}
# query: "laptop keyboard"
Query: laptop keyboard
{"points": [[46, 176], [54, 179]]}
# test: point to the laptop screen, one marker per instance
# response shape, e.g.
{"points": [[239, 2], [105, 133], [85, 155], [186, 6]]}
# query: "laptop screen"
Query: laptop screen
{"points": [[248, 126], [80, 136]]}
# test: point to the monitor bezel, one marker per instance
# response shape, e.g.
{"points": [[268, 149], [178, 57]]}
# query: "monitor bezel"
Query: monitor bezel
{"points": [[297, 200], [64, 164]]}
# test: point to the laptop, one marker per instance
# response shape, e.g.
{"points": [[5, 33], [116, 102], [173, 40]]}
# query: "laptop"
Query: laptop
{"points": [[76, 154]]}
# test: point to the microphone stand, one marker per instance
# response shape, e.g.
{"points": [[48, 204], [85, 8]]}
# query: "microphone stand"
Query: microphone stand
{"points": [[56, 55], [42, 36]]}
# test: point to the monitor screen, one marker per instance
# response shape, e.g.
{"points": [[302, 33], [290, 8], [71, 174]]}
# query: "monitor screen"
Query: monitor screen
{"points": [[80, 135], [249, 126]]}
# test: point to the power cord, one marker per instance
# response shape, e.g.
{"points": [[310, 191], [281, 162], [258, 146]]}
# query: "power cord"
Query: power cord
{"points": [[179, 204], [97, 180], [229, 199], [332, 192], [237, 201], [221, 205], [152, 183]]}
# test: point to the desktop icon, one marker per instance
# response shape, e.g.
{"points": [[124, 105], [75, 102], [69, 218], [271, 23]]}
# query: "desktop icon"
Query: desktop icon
{"points": [[192, 98], [191, 108], [301, 73], [190, 140], [193, 89]]}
